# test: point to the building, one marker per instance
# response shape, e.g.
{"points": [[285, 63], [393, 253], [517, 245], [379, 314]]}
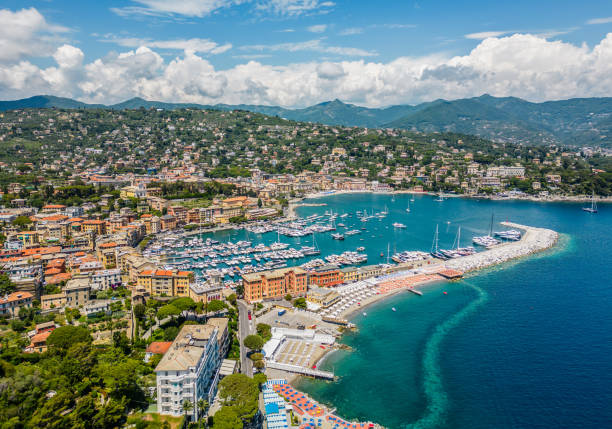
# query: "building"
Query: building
{"points": [[326, 276], [12, 303], [156, 348], [166, 282], [223, 336], [275, 284], [506, 171], [77, 292], [189, 371], [96, 226], [206, 292], [323, 297], [105, 279]]}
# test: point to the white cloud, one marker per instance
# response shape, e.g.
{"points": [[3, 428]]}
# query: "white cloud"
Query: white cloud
{"points": [[294, 7], [195, 44], [351, 31], [319, 28], [521, 65], [315, 45], [595, 21], [486, 34], [26, 33], [194, 8]]}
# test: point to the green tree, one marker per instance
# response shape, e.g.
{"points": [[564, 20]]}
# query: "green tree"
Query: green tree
{"points": [[300, 303], [184, 303], [215, 305], [202, 405], [241, 393], [167, 310], [187, 406], [253, 342], [140, 311], [22, 221], [65, 337], [226, 418], [6, 285]]}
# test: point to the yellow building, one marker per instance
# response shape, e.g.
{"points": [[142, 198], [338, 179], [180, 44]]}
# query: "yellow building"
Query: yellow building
{"points": [[29, 238], [165, 282], [97, 226]]}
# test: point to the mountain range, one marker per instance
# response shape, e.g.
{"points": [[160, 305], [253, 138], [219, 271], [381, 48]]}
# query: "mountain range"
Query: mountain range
{"points": [[577, 121]]}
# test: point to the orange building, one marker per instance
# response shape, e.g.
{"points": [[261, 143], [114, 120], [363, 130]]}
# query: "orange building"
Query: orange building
{"points": [[274, 284], [326, 276], [165, 282]]}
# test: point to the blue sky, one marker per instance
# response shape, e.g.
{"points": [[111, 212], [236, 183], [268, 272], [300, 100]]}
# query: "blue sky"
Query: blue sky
{"points": [[259, 51]]}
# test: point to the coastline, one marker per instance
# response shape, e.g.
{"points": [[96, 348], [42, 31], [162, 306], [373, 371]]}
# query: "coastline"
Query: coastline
{"points": [[534, 240], [550, 199]]}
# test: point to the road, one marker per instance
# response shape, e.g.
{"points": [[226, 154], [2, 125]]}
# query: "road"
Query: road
{"points": [[244, 329]]}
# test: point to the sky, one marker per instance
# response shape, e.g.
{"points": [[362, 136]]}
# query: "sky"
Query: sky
{"points": [[296, 53]]}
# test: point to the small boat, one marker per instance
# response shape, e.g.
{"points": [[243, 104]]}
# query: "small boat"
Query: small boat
{"points": [[399, 225], [382, 254], [393, 308], [365, 314]]}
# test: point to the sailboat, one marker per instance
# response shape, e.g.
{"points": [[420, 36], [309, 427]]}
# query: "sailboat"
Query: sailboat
{"points": [[440, 197], [408, 208], [593, 208], [434, 247]]}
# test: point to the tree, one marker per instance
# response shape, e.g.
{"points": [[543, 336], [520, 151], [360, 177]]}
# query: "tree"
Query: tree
{"points": [[202, 405], [256, 356], [288, 297], [187, 406], [253, 342], [300, 303], [22, 221], [231, 298], [241, 393], [167, 310], [184, 303], [216, 305], [139, 311], [6, 285], [64, 337], [259, 364], [260, 378], [264, 330], [226, 418]]}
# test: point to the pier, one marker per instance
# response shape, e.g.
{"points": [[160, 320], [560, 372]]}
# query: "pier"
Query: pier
{"points": [[316, 373], [417, 292]]}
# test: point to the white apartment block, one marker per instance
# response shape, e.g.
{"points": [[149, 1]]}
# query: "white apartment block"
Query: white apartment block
{"points": [[105, 279], [189, 371], [506, 171]]}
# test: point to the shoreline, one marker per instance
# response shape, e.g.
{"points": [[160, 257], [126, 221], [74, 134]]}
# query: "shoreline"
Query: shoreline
{"points": [[552, 199], [534, 240]]}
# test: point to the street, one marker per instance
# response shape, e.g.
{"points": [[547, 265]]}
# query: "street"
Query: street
{"points": [[244, 329]]}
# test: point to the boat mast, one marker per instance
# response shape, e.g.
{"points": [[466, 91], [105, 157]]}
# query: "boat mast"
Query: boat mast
{"points": [[388, 246], [458, 237], [491, 227], [434, 245]]}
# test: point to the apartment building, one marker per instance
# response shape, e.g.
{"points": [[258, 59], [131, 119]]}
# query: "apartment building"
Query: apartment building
{"points": [[105, 279], [166, 282], [12, 303], [189, 370], [275, 284]]}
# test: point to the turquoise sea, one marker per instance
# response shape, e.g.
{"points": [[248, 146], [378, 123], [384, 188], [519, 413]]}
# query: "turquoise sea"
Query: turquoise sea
{"points": [[523, 345]]}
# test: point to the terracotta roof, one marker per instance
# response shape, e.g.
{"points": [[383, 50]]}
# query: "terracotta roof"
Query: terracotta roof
{"points": [[39, 338], [164, 273], [93, 222], [15, 296], [52, 271], [107, 245], [58, 278], [53, 218], [146, 273], [159, 347], [54, 206]]}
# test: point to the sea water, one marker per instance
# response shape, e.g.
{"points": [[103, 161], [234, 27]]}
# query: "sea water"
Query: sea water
{"points": [[527, 344]]}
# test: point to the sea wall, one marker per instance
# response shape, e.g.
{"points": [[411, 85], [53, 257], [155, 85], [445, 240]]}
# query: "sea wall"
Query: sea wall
{"points": [[533, 240]]}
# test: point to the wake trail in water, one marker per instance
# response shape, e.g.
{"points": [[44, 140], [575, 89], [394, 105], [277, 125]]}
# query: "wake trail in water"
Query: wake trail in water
{"points": [[437, 399]]}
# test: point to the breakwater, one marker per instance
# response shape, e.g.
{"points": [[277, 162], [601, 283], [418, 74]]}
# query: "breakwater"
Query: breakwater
{"points": [[533, 240]]}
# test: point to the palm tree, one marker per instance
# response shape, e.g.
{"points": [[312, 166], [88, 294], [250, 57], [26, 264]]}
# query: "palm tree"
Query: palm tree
{"points": [[202, 407], [187, 406]]}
